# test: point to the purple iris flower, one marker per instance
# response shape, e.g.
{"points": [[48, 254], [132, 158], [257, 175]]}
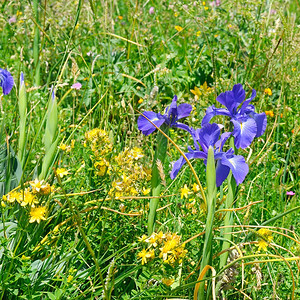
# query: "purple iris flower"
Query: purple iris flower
{"points": [[172, 114], [208, 136], [247, 123], [6, 81]]}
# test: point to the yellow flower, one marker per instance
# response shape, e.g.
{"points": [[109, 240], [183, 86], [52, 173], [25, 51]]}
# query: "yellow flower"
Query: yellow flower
{"points": [[37, 214], [64, 147], [152, 240], [61, 172], [266, 238], [140, 101], [120, 17], [196, 188], [144, 255], [142, 238], [269, 113], [178, 28], [168, 281], [198, 33], [268, 91], [176, 14], [196, 92], [146, 191], [70, 278], [28, 198], [184, 191], [12, 196], [40, 187]]}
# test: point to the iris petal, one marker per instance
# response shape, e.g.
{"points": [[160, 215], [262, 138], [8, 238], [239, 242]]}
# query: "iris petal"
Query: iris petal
{"points": [[237, 165], [183, 110], [145, 126], [261, 122], [208, 135], [222, 172], [244, 132], [213, 111], [6, 81], [181, 161]]}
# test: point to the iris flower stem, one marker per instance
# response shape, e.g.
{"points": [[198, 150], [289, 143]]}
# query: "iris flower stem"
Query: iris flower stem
{"points": [[228, 221], [160, 154], [211, 206]]}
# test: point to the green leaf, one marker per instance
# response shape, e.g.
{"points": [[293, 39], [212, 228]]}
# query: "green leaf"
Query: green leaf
{"points": [[10, 169]]}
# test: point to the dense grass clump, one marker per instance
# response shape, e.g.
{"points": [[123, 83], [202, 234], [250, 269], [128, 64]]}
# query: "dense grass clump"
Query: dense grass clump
{"points": [[88, 207]]}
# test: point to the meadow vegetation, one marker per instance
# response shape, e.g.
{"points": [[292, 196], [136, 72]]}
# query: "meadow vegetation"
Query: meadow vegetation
{"points": [[100, 196]]}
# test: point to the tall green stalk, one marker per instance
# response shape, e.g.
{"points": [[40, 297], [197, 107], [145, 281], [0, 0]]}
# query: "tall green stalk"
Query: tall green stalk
{"points": [[211, 206], [160, 154], [36, 43], [228, 221], [22, 112]]}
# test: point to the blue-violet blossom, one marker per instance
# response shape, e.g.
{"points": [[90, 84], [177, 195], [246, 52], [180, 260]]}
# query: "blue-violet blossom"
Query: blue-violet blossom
{"points": [[172, 114], [6, 81], [208, 136], [247, 124]]}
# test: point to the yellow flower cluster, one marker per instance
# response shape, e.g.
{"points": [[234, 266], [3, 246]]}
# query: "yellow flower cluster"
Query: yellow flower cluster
{"points": [[130, 174], [268, 91], [203, 90], [164, 246], [269, 113], [265, 240], [29, 198], [101, 146]]}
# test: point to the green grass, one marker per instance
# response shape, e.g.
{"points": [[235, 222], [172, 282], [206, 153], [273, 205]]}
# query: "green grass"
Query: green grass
{"points": [[88, 245]]}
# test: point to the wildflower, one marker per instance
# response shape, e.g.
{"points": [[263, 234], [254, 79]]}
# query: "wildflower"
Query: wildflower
{"points": [[28, 198], [70, 278], [144, 255], [12, 196], [152, 240], [146, 191], [196, 188], [196, 92], [168, 281], [198, 33], [290, 193], [160, 236], [37, 214], [269, 113], [178, 28], [40, 187], [142, 238], [208, 136], [140, 101], [76, 86], [6, 81], [120, 17], [151, 10], [247, 124], [171, 116], [268, 92], [61, 172], [12, 20], [266, 238], [184, 192]]}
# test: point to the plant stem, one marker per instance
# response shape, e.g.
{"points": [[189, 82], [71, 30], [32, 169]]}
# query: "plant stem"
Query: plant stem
{"points": [[211, 205], [160, 154]]}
